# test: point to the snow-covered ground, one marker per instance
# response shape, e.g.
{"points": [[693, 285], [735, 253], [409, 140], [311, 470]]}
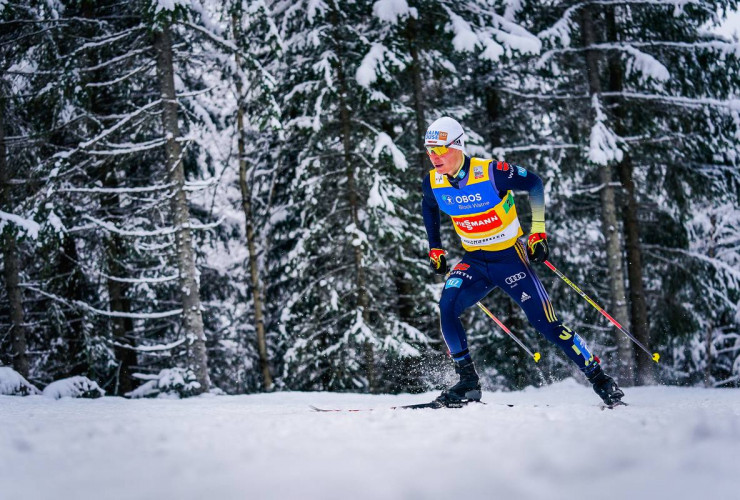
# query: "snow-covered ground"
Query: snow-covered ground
{"points": [[556, 443]]}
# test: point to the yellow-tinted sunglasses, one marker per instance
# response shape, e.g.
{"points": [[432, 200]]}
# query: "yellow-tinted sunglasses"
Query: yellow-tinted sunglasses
{"points": [[441, 150]]}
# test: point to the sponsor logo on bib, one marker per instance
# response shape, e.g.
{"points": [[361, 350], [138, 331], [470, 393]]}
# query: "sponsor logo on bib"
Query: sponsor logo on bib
{"points": [[478, 223]]}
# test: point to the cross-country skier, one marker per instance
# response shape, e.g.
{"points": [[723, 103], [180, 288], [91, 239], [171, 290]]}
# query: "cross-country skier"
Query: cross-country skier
{"points": [[477, 195]]}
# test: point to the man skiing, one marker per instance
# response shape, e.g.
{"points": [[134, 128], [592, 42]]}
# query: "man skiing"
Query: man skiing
{"points": [[477, 195]]}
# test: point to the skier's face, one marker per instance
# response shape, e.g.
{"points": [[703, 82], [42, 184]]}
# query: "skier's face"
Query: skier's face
{"points": [[447, 163]]}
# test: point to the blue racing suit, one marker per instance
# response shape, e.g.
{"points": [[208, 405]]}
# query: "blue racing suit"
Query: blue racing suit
{"points": [[482, 270]]}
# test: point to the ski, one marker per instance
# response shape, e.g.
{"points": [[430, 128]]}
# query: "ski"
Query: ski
{"points": [[432, 405], [314, 408]]}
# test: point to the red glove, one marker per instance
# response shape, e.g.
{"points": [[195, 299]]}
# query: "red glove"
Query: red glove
{"points": [[537, 248], [438, 261]]}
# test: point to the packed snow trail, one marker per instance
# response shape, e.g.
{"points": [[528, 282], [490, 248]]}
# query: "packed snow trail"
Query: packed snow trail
{"points": [[555, 443]]}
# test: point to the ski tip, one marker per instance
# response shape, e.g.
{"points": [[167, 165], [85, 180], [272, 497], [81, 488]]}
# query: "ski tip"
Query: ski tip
{"points": [[314, 408]]}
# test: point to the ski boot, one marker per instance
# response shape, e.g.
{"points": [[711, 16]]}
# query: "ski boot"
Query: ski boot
{"points": [[466, 390], [605, 387]]}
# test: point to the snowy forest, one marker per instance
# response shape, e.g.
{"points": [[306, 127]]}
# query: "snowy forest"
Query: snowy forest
{"points": [[201, 195]]}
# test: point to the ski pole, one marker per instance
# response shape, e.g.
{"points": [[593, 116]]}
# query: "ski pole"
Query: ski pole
{"points": [[535, 356], [655, 356]]}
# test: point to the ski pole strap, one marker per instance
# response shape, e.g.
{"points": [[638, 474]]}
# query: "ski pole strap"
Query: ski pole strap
{"points": [[655, 356], [536, 356]]}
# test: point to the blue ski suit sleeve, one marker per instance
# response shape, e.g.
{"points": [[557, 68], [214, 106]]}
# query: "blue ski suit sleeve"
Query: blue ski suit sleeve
{"points": [[430, 212], [508, 177]]}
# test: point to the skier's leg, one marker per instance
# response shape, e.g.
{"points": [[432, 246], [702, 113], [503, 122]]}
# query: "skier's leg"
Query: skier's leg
{"points": [[466, 285], [517, 278]]}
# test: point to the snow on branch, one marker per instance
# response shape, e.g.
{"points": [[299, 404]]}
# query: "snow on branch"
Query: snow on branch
{"points": [[147, 189], [373, 64], [148, 348], [714, 45], [735, 273], [128, 148], [213, 36], [105, 133], [646, 66], [160, 5], [200, 184], [100, 312], [135, 281], [546, 97], [108, 39], [495, 35], [195, 92], [603, 142], [123, 232], [122, 78], [384, 141], [210, 225], [465, 39], [501, 151], [144, 234], [30, 227], [110, 62], [561, 29], [732, 104], [392, 11]]}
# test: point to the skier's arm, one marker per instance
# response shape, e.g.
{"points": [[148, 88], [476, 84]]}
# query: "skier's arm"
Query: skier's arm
{"points": [[430, 212], [508, 177]]}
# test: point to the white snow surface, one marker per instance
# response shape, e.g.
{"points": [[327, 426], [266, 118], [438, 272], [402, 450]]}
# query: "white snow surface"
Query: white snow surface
{"points": [[556, 443]]}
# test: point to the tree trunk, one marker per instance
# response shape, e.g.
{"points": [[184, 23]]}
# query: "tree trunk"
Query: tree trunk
{"points": [[73, 288], [118, 298], [711, 253], [418, 86], [353, 199], [190, 294], [11, 269], [638, 306], [609, 224], [246, 191]]}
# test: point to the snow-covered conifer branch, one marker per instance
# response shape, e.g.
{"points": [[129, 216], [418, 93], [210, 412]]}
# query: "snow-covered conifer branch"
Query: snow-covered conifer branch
{"points": [[123, 78], [105, 133], [735, 273], [110, 314], [124, 190], [123, 232], [561, 28], [107, 39], [228, 44], [115, 60], [148, 348], [731, 104], [31, 228]]}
